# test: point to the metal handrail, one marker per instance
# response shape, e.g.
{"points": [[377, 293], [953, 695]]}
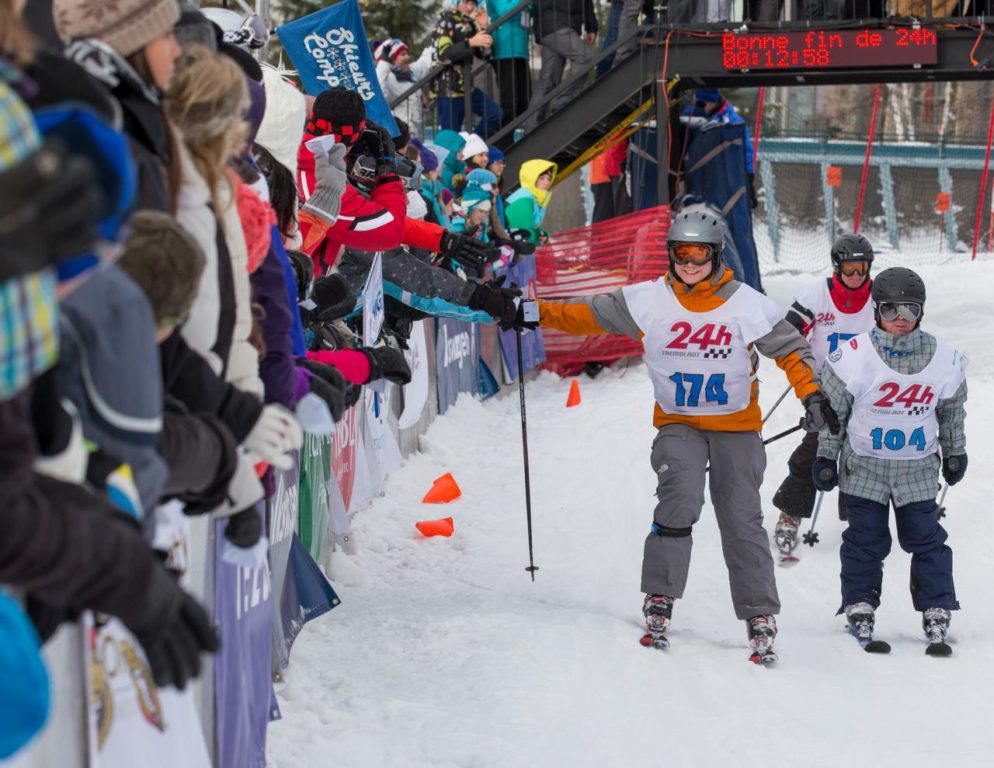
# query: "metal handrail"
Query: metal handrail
{"points": [[435, 72]]}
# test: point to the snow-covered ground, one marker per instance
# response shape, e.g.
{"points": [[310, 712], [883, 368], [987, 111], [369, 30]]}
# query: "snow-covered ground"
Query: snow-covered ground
{"points": [[444, 653]]}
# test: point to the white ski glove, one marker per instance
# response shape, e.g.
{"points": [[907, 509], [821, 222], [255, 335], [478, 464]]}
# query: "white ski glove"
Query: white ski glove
{"points": [[274, 436], [329, 169]]}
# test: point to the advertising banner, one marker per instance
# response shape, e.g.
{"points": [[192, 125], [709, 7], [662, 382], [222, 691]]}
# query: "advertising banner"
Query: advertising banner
{"points": [[329, 48]]}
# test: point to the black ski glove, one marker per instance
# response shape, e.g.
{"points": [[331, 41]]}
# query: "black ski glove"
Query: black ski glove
{"points": [[328, 384], [753, 197], [49, 207], [387, 363], [521, 247], [519, 321], [244, 529], [498, 302], [953, 468], [173, 629], [825, 474], [467, 250], [819, 414]]}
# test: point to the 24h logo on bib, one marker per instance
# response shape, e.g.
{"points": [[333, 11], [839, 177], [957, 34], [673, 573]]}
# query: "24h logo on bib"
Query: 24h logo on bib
{"points": [[711, 340]]}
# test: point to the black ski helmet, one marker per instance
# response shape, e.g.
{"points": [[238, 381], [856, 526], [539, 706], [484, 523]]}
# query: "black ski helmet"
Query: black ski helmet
{"points": [[898, 285], [699, 223], [851, 247]]}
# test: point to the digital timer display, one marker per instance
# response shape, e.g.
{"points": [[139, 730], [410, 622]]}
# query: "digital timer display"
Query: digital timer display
{"points": [[828, 49]]}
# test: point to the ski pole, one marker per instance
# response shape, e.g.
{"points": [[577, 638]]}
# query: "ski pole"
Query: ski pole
{"points": [[524, 446], [777, 403], [777, 436], [811, 538], [942, 501]]}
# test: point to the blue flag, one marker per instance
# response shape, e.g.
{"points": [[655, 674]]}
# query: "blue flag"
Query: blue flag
{"points": [[329, 48]]}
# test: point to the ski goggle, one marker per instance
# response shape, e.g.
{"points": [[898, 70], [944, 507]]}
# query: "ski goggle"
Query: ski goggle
{"points": [[850, 268], [697, 254], [890, 312]]}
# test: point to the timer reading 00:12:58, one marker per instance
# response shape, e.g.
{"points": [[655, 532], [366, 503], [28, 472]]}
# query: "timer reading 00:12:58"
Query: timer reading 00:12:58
{"points": [[817, 49]]}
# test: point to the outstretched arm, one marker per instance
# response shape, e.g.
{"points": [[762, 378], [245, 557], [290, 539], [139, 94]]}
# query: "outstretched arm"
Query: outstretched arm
{"points": [[590, 315]]}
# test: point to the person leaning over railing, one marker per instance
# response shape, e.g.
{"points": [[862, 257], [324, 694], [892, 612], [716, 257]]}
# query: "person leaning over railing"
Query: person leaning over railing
{"points": [[458, 40]]}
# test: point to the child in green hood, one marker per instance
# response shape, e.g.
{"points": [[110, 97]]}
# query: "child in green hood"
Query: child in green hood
{"points": [[526, 207]]}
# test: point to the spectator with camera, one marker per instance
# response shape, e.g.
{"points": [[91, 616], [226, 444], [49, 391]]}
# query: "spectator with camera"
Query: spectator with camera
{"points": [[372, 221]]}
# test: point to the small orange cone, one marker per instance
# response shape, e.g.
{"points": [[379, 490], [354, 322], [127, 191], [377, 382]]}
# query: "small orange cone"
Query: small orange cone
{"points": [[429, 528], [574, 394], [443, 490]]}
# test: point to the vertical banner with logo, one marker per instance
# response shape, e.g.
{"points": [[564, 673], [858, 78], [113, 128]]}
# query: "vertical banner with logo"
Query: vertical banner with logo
{"points": [[343, 454], [128, 714], [243, 668], [306, 595], [372, 302], [456, 353], [315, 474], [329, 48], [282, 528], [415, 391], [523, 275]]}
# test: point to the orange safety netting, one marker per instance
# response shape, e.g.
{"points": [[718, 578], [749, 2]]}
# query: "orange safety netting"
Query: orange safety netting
{"points": [[599, 259]]}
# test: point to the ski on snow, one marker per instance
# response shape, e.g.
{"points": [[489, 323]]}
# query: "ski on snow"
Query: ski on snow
{"points": [[658, 641], [941, 648], [873, 646]]}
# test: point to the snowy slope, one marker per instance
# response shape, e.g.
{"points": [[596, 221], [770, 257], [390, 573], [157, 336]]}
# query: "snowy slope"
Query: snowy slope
{"points": [[444, 653]]}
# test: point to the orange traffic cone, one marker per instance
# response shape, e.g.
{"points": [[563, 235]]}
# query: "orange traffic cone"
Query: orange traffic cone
{"points": [[574, 394], [429, 528], [443, 490]]}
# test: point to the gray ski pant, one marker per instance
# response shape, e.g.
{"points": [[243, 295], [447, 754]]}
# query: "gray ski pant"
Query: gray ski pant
{"points": [[738, 459]]}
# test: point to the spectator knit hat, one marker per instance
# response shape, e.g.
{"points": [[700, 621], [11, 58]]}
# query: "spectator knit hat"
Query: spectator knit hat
{"points": [[494, 155], [127, 26], [340, 112], [474, 146], [429, 160]]}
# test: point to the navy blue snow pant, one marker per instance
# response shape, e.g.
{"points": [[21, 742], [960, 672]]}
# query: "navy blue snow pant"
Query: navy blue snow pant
{"points": [[866, 542]]}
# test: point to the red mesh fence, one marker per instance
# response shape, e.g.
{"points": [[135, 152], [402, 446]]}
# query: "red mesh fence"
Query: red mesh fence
{"points": [[599, 259]]}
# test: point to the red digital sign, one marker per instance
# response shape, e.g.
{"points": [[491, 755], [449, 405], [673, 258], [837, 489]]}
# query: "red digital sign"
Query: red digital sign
{"points": [[829, 49]]}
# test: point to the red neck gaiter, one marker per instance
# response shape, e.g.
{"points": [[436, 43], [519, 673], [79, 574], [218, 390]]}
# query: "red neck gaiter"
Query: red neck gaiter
{"points": [[849, 300]]}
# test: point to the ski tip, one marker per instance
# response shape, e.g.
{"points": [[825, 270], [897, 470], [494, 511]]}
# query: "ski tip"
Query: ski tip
{"points": [[788, 561], [648, 641], [938, 649], [876, 646], [764, 659]]}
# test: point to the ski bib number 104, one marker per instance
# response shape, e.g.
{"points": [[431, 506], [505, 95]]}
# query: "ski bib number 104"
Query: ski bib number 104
{"points": [[896, 439], [689, 386]]}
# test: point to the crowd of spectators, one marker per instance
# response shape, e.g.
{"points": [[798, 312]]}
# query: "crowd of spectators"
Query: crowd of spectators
{"points": [[183, 259]]}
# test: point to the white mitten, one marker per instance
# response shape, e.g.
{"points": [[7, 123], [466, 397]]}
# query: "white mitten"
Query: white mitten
{"points": [[274, 436]]}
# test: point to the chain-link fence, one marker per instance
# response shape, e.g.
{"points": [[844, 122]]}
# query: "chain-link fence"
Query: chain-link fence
{"points": [[915, 198]]}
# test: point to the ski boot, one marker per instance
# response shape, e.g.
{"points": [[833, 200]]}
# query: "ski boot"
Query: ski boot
{"points": [[658, 610], [935, 622], [861, 620], [860, 617], [762, 630], [785, 536]]}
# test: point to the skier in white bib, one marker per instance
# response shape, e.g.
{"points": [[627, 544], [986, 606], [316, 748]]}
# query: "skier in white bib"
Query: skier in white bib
{"points": [[701, 331], [828, 312], [900, 395]]}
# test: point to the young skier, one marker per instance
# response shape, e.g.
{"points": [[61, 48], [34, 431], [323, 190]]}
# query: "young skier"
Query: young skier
{"points": [[827, 312], [899, 394], [701, 329]]}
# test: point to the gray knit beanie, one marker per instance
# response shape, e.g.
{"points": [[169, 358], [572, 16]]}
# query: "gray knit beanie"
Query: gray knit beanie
{"points": [[127, 26]]}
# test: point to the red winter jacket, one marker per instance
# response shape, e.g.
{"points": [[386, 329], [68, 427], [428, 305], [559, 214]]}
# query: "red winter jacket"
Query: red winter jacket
{"points": [[375, 223]]}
